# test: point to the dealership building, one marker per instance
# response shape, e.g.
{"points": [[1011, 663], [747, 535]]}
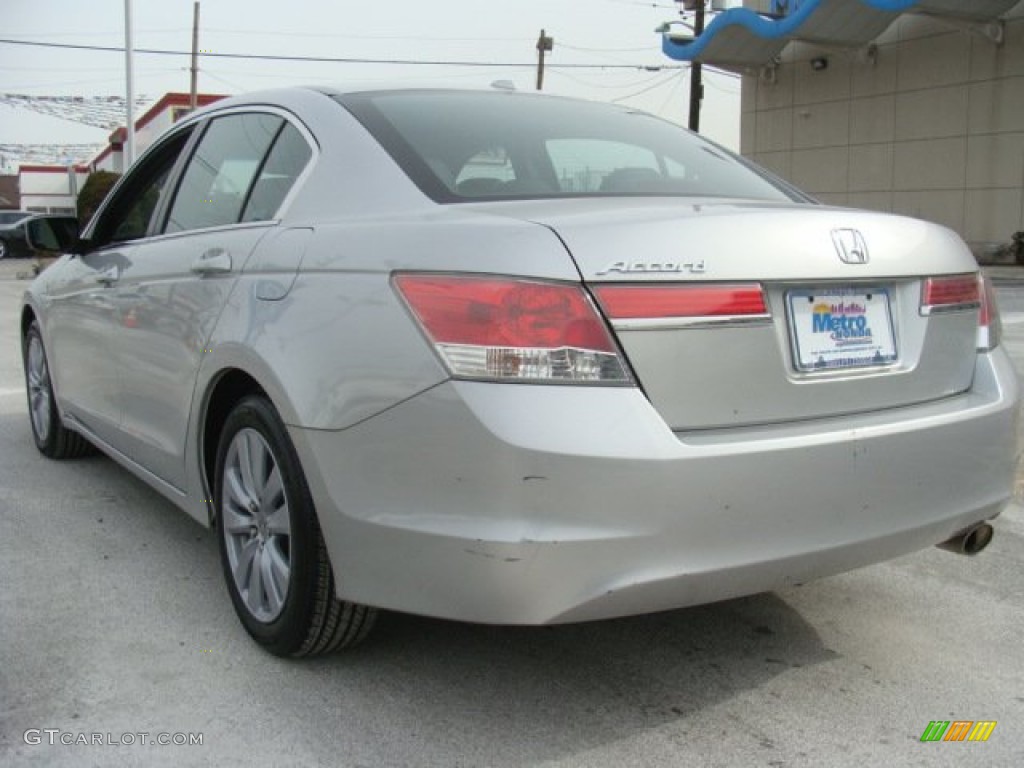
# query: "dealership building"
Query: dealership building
{"points": [[909, 106]]}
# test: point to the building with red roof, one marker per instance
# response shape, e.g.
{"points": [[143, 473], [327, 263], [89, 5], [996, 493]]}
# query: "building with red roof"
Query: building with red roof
{"points": [[54, 188]]}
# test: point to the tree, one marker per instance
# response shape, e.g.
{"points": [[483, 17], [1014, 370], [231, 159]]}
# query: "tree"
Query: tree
{"points": [[92, 193]]}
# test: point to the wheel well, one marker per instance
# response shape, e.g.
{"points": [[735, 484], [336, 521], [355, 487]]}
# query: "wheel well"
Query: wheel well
{"points": [[27, 316], [231, 387]]}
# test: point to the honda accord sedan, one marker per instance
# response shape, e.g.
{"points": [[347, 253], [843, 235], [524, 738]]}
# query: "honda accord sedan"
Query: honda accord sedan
{"points": [[514, 359]]}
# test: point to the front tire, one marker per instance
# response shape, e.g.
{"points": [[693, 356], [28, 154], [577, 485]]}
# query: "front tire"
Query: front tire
{"points": [[272, 550], [52, 438]]}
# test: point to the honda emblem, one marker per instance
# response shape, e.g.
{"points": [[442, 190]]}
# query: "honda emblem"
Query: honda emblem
{"points": [[850, 245]]}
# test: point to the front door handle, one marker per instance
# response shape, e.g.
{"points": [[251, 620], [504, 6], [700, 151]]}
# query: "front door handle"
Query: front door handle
{"points": [[109, 276], [212, 262]]}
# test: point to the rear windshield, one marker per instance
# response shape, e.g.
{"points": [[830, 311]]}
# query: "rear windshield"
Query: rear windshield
{"points": [[467, 146]]}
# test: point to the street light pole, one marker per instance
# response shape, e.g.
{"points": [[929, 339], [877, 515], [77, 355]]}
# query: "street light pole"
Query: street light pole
{"points": [[696, 83], [193, 91], [129, 107]]}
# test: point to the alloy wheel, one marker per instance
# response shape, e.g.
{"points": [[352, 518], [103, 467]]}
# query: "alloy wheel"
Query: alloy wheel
{"points": [[39, 388], [256, 525]]}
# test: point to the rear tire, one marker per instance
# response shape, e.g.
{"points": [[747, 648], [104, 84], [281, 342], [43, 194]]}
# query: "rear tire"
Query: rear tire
{"points": [[52, 438], [272, 550]]}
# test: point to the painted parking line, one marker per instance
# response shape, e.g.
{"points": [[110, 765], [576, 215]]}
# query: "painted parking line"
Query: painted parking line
{"points": [[12, 392], [1012, 318]]}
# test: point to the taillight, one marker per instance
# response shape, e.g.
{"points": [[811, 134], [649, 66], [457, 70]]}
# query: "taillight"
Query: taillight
{"points": [[990, 328], [509, 329], [963, 293], [682, 302], [948, 294]]}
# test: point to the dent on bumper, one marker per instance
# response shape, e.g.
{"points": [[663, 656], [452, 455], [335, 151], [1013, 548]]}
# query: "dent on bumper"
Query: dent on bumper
{"points": [[530, 505]]}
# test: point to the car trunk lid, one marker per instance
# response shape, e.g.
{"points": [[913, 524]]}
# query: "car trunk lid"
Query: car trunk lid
{"points": [[841, 329]]}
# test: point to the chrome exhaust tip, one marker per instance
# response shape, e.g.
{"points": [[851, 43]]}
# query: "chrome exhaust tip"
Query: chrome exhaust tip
{"points": [[969, 542]]}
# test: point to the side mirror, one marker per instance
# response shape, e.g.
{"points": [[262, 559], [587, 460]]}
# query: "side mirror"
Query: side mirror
{"points": [[52, 235]]}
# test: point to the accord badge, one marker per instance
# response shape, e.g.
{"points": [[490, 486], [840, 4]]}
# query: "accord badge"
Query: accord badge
{"points": [[654, 267]]}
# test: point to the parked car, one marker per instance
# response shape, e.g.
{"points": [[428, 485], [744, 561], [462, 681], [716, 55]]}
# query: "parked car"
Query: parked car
{"points": [[55, 233], [514, 359], [12, 217]]}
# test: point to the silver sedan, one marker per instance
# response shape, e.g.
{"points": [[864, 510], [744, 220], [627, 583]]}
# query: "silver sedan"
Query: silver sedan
{"points": [[514, 359]]}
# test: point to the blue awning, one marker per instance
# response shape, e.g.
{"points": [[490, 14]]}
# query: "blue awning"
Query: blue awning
{"points": [[740, 38]]}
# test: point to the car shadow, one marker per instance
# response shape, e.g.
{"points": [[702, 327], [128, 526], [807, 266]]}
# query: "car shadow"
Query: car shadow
{"points": [[528, 695], [513, 695]]}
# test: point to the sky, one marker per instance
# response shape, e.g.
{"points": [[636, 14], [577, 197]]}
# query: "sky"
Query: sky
{"points": [[602, 32]]}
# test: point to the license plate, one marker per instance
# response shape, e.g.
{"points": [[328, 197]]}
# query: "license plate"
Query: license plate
{"points": [[839, 328]]}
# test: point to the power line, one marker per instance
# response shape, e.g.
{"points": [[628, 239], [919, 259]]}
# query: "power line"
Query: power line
{"points": [[348, 36], [723, 72], [329, 59], [671, 92], [567, 46], [26, 86], [661, 82], [610, 86], [648, 3], [115, 34]]}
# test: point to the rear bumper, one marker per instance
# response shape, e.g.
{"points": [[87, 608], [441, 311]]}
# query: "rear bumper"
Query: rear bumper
{"points": [[530, 505]]}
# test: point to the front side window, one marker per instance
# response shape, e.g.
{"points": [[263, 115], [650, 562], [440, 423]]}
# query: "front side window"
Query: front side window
{"points": [[464, 146], [220, 173], [130, 211], [135, 222]]}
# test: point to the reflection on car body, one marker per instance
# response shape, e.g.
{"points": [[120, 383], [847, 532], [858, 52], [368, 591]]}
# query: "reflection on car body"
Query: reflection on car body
{"points": [[7, 218]]}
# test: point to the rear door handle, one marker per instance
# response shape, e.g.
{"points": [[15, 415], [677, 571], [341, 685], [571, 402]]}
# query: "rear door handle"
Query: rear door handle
{"points": [[109, 276], [213, 262]]}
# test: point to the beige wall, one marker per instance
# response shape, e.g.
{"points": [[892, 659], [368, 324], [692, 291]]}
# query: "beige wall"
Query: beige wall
{"points": [[49, 191], [933, 127]]}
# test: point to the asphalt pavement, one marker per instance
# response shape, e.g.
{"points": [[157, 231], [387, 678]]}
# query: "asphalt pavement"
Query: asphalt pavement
{"points": [[114, 623]]}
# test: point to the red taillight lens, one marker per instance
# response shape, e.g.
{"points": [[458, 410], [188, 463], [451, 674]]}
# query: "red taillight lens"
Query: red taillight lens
{"points": [[961, 293], [627, 302], [941, 294], [990, 328], [502, 328]]}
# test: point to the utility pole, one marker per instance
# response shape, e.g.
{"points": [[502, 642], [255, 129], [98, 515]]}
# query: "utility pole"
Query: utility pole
{"points": [[696, 84], [129, 108], [193, 94], [544, 44]]}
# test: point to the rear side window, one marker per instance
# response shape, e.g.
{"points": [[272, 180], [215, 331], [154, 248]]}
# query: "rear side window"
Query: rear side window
{"points": [[220, 173], [287, 159]]}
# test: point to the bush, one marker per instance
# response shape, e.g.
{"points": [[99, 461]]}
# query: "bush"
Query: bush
{"points": [[93, 192]]}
